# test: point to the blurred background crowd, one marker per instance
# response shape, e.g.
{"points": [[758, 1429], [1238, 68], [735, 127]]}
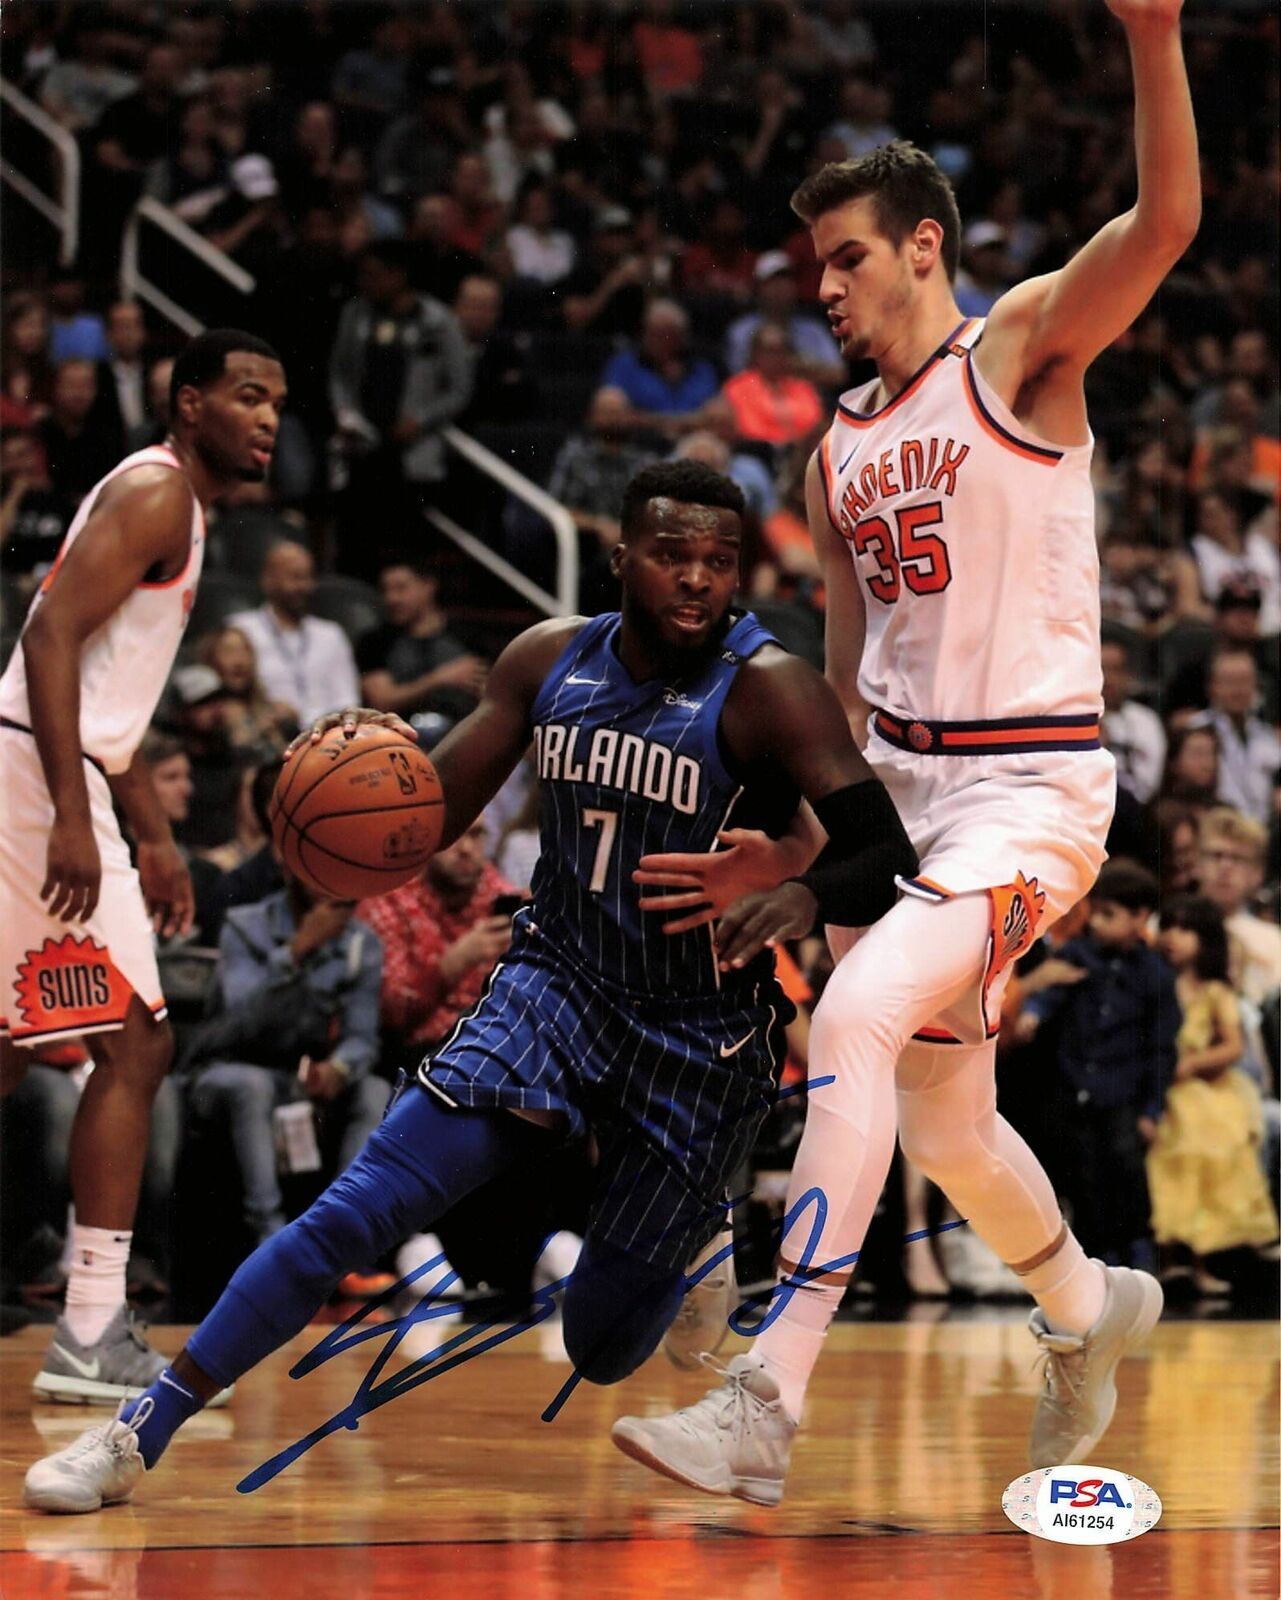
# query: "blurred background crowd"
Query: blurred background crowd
{"points": [[561, 228]]}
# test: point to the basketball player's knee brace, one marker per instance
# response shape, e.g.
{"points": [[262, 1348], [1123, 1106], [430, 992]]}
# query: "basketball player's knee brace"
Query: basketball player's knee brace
{"points": [[616, 1309]]}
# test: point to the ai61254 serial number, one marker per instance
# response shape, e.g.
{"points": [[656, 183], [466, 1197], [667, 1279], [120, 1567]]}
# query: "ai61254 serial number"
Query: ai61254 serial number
{"points": [[1080, 1519]]}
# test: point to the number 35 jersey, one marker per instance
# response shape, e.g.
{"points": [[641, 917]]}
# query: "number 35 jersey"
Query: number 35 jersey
{"points": [[629, 769], [974, 545]]}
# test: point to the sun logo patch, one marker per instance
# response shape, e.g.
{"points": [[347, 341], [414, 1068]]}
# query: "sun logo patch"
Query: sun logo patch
{"points": [[67, 984], [1016, 914]]}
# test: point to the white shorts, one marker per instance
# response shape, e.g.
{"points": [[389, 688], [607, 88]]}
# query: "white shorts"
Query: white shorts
{"points": [[58, 979], [1026, 830]]}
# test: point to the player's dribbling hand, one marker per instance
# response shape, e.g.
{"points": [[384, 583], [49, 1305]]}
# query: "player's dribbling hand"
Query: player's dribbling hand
{"points": [[756, 920], [349, 721], [73, 871], [166, 888], [751, 863]]}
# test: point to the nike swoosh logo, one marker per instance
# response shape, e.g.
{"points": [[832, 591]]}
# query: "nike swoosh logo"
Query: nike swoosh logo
{"points": [[733, 1049], [86, 1369], [595, 682]]}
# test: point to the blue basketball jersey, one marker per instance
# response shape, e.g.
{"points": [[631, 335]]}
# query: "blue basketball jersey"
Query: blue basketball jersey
{"points": [[626, 770]]}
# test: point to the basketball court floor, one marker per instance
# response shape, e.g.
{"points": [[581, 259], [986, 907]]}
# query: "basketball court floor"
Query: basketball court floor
{"points": [[458, 1487]]}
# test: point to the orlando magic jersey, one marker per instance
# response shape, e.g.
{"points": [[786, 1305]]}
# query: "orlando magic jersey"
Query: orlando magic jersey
{"points": [[626, 770]]}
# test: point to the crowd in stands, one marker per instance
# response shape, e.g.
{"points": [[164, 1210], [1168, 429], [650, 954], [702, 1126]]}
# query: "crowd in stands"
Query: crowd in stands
{"points": [[564, 228]]}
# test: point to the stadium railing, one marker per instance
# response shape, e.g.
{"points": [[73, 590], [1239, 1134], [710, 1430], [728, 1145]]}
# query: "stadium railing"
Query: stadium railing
{"points": [[134, 286], [64, 212]]}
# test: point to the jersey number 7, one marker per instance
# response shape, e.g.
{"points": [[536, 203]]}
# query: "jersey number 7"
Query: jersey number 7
{"points": [[920, 559]]}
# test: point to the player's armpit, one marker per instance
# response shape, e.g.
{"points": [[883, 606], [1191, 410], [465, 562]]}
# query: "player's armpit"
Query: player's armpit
{"points": [[474, 759]]}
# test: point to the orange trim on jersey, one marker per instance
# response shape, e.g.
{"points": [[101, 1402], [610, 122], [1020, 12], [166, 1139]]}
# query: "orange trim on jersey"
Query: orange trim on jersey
{"points": [[828, 476], [1085, 735], [865, 419], [1043, 455], [929, 883]]}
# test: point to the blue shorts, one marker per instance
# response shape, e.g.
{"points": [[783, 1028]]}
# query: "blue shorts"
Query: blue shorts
{"points": [[673, 1091]]}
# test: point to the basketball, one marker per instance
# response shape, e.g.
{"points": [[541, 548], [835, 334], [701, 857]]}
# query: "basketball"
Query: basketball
{"points": [[354, 817]]}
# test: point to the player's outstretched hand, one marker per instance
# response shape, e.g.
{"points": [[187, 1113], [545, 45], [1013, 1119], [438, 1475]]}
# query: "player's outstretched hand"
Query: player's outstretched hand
{"points": [[709, 884], [1146, 13], [756, 920], [166, 888], [73, 871], [349, 721]]}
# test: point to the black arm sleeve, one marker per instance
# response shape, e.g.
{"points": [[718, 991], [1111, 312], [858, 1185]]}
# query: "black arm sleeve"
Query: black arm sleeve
{"points": [[867, 847]]}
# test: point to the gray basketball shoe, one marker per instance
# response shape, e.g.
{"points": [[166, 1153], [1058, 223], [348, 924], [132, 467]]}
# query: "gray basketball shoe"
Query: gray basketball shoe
{"points": [[100, 1469], [703, 1319], [118, 1365], [737, 1440], [1079, 1393]]}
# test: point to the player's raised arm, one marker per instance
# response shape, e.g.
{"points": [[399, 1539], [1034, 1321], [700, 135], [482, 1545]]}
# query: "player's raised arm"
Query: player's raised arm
{"points": [[140, 525], [1065, 319]]}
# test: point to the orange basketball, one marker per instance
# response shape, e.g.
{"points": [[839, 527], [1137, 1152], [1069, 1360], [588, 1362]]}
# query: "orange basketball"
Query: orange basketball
{"points": [[357, 816]]}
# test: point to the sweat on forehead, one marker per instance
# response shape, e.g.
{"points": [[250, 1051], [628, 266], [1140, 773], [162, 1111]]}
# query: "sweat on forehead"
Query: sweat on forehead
{"points": [[668, 516]]}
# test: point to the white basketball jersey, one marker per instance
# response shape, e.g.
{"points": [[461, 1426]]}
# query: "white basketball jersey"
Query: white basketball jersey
{"points": [[974, 543], [125, 664]]}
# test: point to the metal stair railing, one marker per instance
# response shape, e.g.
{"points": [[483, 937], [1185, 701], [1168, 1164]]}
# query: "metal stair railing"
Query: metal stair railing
{"points": [[133, 286], [63, 213]]}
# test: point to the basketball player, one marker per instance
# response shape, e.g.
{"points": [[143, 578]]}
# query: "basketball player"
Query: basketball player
{"points": [[76, 937], [646, 725], [951, 504]]}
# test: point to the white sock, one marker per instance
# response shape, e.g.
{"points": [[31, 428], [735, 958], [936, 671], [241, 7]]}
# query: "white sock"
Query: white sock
{"points": [[1069, 1288], [789, 1347], [96, 1284]]}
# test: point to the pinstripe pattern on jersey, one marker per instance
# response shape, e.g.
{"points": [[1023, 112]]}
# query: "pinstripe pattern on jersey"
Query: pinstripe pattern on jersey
{"points": [[673, 793], [672, 1093]]}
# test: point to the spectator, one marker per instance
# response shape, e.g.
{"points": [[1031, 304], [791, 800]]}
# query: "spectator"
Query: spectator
{"points": [[985, 273], [415, 154], [299, 1017], [669, 56], [78, 448], [1117, 1018], [1230, 864], [170, 770], [412, 664], [1192, 767], [141, 127], [748, 471], [1249, 750], [399, 371], [198, 697], [772, 405], [74, 333], [605, 293], [441, 935], [595, 465], [503, 387], [720, 265], [1208, 1188], [361, 215], [863, 124], [192, 177], [34, 516], [305, 165], [305, 663], [371, 80], [1131, 730], [436, 266], [83, 82], [475, 215], [1236, 624], [258, 728], [25, 369], [122, 386], [155, 425], [663, 382], [817, 356], [539, 250], [1178, 848], [1224, 551]]}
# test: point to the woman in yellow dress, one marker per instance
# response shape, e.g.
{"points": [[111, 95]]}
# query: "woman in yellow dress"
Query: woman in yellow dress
{"points": [[1208, 1187]]}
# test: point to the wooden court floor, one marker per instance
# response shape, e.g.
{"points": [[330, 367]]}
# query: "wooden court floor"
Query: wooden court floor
{"points": [[457, 1488]]}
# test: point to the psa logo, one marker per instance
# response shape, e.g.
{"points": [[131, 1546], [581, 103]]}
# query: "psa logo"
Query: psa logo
{"points": [[1081, 1505]]}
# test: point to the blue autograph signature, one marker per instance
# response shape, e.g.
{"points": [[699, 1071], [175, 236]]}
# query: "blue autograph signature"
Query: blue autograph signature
{"points": [[374, 1390]]}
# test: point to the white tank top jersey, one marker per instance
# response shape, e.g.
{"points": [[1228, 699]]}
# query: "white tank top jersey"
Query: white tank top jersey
{"points": [[974, 541], [124, 665]]}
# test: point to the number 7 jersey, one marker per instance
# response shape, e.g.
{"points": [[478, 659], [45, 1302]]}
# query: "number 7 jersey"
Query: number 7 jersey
{"points": [[628, 769], [974, 545]]}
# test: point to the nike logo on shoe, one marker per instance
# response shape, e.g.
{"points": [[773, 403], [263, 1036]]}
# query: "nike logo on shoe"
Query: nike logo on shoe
{"points": [[733, 1049], [86, 1369]]}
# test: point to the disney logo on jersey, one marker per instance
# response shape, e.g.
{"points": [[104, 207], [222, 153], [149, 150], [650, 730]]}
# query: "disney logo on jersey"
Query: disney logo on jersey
{"points": [[621, 761], [673, 697]]}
